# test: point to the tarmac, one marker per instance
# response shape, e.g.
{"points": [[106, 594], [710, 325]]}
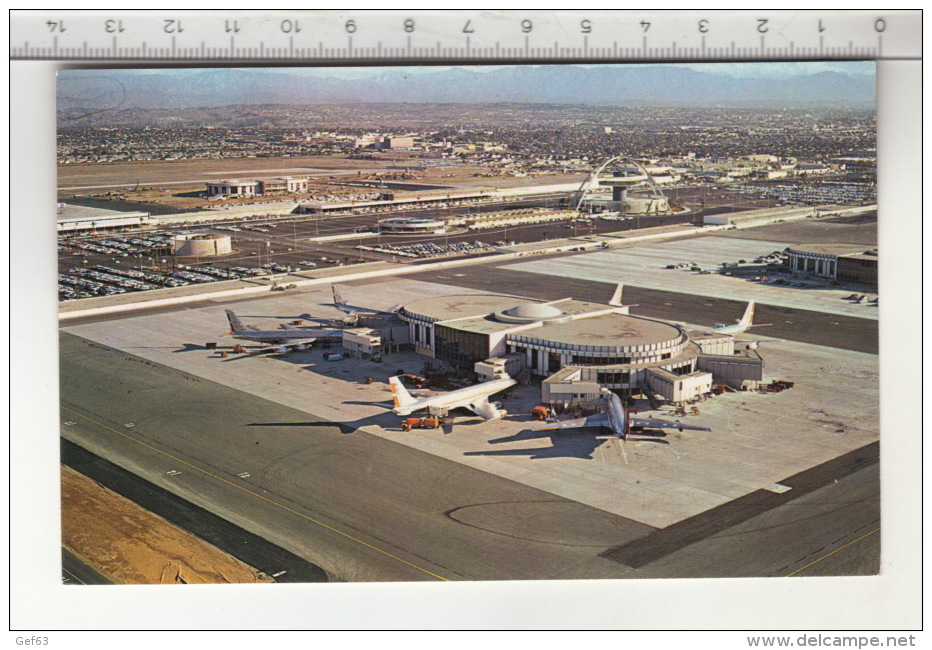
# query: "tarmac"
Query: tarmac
{"points": [[364, 507], [644, 266], [756, 441]]}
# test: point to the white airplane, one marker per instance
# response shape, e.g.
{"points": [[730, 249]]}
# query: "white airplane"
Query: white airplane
{"points": [[353, 310], [742, 325], [286, 339], [475, 398], [617, 418], [616, 297]]}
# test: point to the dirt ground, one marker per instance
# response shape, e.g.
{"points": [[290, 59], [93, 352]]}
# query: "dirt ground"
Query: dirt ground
{"points": [[130, 545]]}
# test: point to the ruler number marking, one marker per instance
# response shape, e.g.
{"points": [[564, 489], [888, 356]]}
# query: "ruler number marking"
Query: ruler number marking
{"points": [[114, 26], [585, 26], [762, 25], [56, 26], [468, 28], [350, 26], [644, 25], [288, 26], [704, 26], [409, 25], [527, 26], [880, 25], [821, 26], [172, 26], [231, 26]]}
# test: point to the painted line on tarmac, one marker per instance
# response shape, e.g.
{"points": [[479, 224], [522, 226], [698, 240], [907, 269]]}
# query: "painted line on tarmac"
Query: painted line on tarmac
{"points": [[259, 496], [803, 568]]}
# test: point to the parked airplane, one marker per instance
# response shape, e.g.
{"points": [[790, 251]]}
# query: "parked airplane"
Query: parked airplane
{"points": [[617, 418], [742, 325], [475, 398], [354, 310], [616, 297], [285, 339]]}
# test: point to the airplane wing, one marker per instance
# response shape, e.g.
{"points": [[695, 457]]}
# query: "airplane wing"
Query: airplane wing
{"points": [[291, 345], [486, 409], [653, 423], [597, 420]]}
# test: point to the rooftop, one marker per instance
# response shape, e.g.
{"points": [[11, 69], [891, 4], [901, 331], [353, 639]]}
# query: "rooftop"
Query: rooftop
{"points": [[828, 249], [606, 329]]}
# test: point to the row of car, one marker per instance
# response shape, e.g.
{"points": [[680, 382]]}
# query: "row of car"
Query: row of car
{"points": [[810, 194], [429, 249]]}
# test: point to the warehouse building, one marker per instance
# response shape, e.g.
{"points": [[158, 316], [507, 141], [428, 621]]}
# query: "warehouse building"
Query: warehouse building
{"points": [[77, 219], [840, 262]]}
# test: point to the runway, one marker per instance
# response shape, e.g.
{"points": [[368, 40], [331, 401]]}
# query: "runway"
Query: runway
{"points": [[365, 508]]}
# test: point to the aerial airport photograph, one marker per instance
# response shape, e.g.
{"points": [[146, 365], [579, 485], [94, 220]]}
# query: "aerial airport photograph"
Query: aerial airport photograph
{"points": [[502, 323]]}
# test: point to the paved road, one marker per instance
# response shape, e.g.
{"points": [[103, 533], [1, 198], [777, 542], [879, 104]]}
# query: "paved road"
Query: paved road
{"points": [[365, 508], [833, 330]]}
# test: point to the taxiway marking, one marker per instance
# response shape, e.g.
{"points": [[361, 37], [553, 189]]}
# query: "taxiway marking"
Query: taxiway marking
{"points": [[816, 561], [258, 496]]}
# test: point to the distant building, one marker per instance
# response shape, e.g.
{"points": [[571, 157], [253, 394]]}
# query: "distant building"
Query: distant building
{"points": [[250, 188], [402, 225], [233, 189], [398, 142], [839, 262], [73, 219], [283, 185], [201, 245]]}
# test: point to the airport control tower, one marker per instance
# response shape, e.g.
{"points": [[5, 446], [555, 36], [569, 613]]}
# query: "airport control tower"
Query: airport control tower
{"points": [[627, 174], [620, 181]]}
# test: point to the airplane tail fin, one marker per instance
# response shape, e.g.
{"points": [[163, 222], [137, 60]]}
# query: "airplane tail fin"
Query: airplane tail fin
{"points": [[748, 318], [616, 297], [236, 325], [400, 395], [337, 300]]}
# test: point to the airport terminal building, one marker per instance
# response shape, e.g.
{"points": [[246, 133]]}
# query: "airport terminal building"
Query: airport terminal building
{"points": [[605, 344]]}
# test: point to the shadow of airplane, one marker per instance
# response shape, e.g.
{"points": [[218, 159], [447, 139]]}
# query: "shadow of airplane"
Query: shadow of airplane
{"points": [[342, 426], [190, 347], [564, 444]]}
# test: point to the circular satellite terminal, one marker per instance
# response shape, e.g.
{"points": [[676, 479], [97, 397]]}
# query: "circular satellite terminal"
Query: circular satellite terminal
{"points": [[530, 313]]}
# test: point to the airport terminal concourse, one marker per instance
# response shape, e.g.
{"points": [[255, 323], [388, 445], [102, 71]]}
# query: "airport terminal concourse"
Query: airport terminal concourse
{"points": [[615, 348]]}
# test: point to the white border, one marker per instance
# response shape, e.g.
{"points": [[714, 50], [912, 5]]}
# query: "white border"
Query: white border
{"points": [[40, 602]]}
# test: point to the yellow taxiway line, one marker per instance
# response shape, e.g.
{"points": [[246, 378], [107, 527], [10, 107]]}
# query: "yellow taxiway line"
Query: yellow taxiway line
{"points": [[258, 496], [841, 548]]}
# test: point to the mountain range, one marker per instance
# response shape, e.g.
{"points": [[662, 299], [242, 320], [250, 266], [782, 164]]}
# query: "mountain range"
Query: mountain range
{"points": [[555, 84]]}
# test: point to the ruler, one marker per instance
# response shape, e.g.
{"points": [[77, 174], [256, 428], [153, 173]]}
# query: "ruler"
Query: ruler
{"points": [[372, 36]]}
